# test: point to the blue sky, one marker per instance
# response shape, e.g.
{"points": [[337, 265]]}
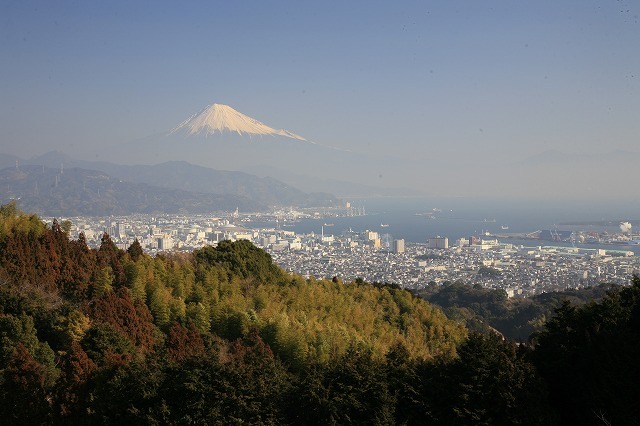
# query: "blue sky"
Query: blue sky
{"points": [[450, 80]]}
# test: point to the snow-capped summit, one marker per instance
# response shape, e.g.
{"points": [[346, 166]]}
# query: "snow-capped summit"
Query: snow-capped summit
{"points": [[218, 118]]}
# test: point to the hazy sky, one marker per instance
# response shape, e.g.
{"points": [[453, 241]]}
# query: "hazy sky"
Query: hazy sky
{"points": [[419, 79]]}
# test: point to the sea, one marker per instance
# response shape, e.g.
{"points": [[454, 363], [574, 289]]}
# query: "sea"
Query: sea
{"points": [[418, 219]]}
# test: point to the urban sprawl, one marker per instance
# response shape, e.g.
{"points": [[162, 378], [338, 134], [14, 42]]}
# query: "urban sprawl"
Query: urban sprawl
{"points": [[487, 260]]}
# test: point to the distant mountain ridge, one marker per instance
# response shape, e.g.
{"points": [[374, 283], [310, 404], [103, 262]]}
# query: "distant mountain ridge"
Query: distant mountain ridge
{"points": [[79, 192], [184, 176], [555, 157], [7, 160]]}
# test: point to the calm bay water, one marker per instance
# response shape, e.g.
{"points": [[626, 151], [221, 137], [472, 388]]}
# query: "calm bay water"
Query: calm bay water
{"points": [[417, 219]]}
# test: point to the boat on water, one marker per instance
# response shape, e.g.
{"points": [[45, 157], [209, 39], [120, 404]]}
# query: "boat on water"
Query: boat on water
{"points": [[427, 215], [328, 224], [384, 225], [504, 227]]}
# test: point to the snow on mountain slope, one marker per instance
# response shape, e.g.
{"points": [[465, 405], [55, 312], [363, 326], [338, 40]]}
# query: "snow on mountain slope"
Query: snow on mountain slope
{"points": [[218, 118]]}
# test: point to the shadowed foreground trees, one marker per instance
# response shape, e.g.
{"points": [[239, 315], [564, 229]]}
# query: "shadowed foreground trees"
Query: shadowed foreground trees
{"points": [[589, 356], [490, 383]]}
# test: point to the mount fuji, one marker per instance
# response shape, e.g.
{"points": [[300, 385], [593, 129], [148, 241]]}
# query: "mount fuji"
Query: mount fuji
{"points": [[222, 138], [218, 118]]}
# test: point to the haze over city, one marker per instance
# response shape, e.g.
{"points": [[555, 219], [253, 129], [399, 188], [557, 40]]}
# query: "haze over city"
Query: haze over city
{"points": [[458, 99]]}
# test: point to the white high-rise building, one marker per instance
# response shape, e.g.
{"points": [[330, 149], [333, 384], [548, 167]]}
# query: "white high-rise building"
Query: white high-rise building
{"points": [[398, 246], [165, 242], [439, 243], [370, 235], [120, 230]]}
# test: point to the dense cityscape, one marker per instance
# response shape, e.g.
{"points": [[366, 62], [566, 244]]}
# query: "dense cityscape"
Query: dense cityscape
{"points": [[521, 270]]}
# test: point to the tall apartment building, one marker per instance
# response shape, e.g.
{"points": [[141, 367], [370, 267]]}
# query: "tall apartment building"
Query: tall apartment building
{"points": [[398, 246], [439, 243]]}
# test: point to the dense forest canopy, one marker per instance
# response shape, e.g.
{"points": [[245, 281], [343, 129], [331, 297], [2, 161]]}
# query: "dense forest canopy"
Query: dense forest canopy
{"points": [[486, 310], [222, 335]]}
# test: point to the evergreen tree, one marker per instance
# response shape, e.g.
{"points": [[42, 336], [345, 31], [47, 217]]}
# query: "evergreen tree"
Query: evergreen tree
{"points": [[589, 354], [135, 250]]}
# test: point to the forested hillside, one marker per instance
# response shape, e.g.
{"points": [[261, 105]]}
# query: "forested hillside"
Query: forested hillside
{"points": [[487, 310], [224, 336]]}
